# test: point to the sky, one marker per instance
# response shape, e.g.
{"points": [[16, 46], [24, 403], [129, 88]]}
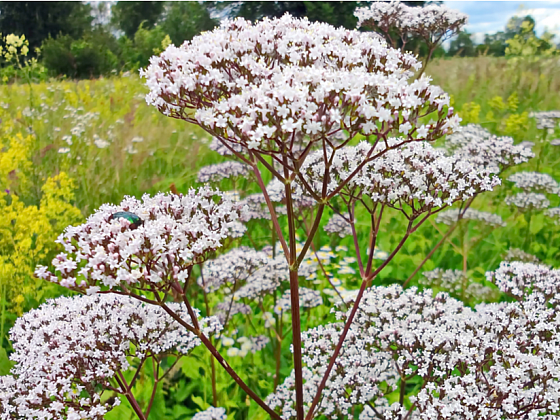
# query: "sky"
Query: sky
{"points": [[492, 16]]}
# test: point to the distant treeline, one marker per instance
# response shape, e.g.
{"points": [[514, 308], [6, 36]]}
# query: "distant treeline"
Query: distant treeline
{"points": [[83, 40]]}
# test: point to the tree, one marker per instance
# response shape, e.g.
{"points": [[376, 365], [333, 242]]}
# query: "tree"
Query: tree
{"points": [[40, 20], [520, 26], [494, 44], [518, 38], [183, 20], [129, 15], [336, 13], [462, 46]]}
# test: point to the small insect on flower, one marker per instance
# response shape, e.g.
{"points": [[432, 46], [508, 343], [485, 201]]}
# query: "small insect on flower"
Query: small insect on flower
{"points": [[135, 221]]}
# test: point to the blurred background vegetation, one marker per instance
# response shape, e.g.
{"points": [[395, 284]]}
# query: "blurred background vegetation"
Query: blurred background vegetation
{"points": [[85, 40]]}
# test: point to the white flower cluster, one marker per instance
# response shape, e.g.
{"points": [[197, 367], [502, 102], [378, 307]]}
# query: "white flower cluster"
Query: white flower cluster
{"points": [[338, 224], [360, 376], [248, 344], [219, 171], [254, 207], [482, 148], [211, 413], [516, 254], [245, 273], [523, 280], [232, 268], [457, 285], [451, 216], [535, 181], [225, 310], [415, 175], [265, 280], [546, 119], [277, 193], [433, 23], [525, 201], [498, 361], [68, 349], [534, 185], [366, 370], [173, 233], [219, 147], [554, 213], [308, 298], [258, 85]]}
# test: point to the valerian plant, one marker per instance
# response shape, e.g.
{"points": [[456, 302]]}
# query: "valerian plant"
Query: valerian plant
{"points": [[342, 125]]}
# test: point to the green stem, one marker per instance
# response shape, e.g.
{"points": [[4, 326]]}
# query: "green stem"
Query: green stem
{"points": [[3, 316]]}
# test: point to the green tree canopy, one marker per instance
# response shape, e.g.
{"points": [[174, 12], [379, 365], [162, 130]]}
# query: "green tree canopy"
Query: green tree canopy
{"points": [[462, 46], [38, 20], [183, 20], [129, 15], [337, 13]]}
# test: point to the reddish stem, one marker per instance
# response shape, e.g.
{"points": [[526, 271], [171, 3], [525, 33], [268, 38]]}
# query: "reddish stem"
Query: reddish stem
{"points": [[349, 322]]}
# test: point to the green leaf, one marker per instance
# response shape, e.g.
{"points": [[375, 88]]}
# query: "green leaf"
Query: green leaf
{"points": [[120, 412], [192, 368], [200, 402], [5, 363], [179, 410], [182, 392], [264, 384], [537, 223], [231, 404]]}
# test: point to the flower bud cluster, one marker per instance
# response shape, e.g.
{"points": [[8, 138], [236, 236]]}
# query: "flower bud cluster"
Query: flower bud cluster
{"points": [[458, 285], [219, 171], [233, 267], [338, 224], [68, 349], [177, 231], [523, 280], [247, 273], [414, 176], [211, 413], [262, 85], [535, 181], [225, 310], [265, 280], [254, 207], [526, 201], [534, 185], [554, 213], [516, 254], [277, 193], [308, 298], [219, 147], [482, 148], [451, 216], [433, 23], [546, 119]]}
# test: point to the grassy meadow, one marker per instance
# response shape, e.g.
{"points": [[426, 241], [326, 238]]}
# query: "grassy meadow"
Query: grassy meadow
{"points": [[66, 147]]}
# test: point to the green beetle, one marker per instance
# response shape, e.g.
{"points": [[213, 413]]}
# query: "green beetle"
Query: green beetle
{"points": [[135, 221]]}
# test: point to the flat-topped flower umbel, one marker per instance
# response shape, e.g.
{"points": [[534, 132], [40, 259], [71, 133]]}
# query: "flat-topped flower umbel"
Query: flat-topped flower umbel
{"points": [[177, 232], [279, 83]]}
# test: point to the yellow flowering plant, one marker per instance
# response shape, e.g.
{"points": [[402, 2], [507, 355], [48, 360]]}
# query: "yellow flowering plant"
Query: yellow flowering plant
{"points": [[27, 232]]}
